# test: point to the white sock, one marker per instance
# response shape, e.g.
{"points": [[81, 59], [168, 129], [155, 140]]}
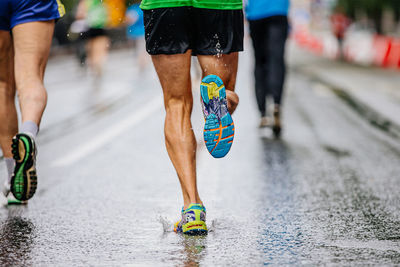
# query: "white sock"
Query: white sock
{"points": [[30, 127], [10, 167]]}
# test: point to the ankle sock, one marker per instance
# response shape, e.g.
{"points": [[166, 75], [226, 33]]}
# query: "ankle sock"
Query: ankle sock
{"points": [[30, 127], [10, 167]]}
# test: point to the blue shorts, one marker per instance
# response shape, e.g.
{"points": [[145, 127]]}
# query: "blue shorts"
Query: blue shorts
{"points": [[14, 12]]}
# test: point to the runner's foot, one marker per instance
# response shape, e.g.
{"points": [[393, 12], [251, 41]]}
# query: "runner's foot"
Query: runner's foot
{"points": [[264, 122], [276, 128], [24, 179], [219, 128], [193, 221]]}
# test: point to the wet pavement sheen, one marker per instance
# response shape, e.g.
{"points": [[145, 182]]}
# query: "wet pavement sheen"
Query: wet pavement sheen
{"points": [[326, 193]]}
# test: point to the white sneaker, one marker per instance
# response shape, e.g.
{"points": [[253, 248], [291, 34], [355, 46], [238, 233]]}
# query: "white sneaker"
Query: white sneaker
{"points": [[9, 199]]}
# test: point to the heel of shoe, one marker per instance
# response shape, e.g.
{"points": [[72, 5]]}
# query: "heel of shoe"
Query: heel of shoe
{"points": [[195, 228]]}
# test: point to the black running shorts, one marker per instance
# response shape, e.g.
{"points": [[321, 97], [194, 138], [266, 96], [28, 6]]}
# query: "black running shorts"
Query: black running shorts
{"points": [[205, 31]]}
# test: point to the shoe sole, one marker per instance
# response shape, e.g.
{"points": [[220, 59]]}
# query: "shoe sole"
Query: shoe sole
{"points": [[195, 228], [24, 178], [218, 132], [16, 202]]}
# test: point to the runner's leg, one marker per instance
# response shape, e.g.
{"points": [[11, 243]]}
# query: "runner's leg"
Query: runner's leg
{"points": [[224, 66], [277, 33], [174, 74], [259, 37], [32, 43], [98, 52], [8, 112]]}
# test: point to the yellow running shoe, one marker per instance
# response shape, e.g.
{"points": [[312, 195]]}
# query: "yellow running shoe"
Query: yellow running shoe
{"points": [[193, 221]]}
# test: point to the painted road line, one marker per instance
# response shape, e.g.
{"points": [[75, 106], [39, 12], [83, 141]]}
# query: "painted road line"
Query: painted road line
{"points": [[113, 131]]}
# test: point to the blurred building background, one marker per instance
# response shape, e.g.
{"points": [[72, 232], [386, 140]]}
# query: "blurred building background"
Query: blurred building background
{"points": [[365, 32]]}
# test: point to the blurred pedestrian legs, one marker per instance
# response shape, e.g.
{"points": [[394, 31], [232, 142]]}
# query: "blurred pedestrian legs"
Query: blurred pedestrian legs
{"points": [[268, 30], [96, 15]]}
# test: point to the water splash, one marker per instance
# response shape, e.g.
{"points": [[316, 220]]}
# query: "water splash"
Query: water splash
{"points": [[168, 226], [218, 46]]}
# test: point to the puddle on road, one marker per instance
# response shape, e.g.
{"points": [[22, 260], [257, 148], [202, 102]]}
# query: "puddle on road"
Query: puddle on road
{"points": [[384, 245]]}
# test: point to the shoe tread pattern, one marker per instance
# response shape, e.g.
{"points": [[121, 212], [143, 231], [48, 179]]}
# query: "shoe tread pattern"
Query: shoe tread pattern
{"points": [[24, 178], [219, 128]]}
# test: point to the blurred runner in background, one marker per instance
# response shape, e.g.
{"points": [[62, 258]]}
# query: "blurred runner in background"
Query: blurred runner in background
{"points": [[135, 33], [340, 23], [213, 31], [26, 31], [268, 30], [96, 15]]}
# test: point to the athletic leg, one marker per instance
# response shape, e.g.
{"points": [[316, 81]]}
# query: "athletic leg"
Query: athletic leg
{"points": [[32, 46], [258, 33], [8, 113], [277, 33], [224, 66], [98, 51], [32, 43], [174, 74]]}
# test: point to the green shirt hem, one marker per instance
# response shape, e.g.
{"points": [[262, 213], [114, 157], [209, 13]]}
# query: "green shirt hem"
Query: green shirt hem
{"points": [[208, 5]]}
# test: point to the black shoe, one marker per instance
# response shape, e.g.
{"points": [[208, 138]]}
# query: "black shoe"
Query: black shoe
{"points": [[24, 178], [276, 128]]}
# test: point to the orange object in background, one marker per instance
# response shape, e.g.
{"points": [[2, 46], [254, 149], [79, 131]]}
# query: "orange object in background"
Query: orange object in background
{"points": [[393, 60], [116, 12], [382, 46]]}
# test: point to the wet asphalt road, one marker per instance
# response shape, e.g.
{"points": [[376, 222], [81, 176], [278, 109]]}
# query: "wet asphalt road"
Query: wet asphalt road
{"points": [[325, 194]]}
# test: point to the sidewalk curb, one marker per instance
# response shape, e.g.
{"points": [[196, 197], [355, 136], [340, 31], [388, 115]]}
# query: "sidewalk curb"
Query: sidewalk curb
{"points": [[374, 117]]}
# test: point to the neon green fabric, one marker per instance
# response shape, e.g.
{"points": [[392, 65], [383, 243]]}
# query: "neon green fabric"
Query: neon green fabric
{"points": [[97, 14], [211, 4]]}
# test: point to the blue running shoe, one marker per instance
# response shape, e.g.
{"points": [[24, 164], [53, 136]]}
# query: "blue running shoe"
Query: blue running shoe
{"points": [[193, 221], [219, 129]]}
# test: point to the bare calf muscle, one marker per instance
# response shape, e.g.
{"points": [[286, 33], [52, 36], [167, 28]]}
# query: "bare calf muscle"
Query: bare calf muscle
{"points": [[32, 43]]}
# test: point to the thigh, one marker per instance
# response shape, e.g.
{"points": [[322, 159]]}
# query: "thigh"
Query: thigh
{"points": [[277, 35], [225, 66], [174, 74], [259, 37], [32, 42]]}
